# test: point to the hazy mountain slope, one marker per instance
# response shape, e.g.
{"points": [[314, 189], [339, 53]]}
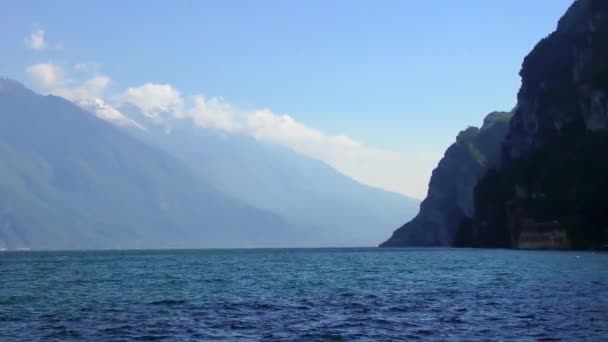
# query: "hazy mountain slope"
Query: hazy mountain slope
{"points": [[70, 180], [327, 206], [450, 196]]}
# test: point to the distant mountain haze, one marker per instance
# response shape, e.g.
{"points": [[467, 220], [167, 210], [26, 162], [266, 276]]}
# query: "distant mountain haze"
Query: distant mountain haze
{"points": [[70, 180], [332, 208]]}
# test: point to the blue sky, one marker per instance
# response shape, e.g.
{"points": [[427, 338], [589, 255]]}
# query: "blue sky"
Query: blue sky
{"points": [[399, 76]]}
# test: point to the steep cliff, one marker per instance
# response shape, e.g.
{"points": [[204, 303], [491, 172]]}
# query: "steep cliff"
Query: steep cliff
{"points": [[564, 81], [450, 194], [553, 176]]}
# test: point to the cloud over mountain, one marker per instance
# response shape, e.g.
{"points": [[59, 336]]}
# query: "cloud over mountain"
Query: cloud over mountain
{"points": [[373, 166], [52, 79], [369, 165]]}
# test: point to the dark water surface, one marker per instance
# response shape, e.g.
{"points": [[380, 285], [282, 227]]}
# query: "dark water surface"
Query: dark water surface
{"points": [[304, 295]]}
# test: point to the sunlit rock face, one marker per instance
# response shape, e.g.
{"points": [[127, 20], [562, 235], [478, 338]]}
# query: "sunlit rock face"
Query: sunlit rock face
{"points": [[450, 195], [553, 169], [564, 80]]}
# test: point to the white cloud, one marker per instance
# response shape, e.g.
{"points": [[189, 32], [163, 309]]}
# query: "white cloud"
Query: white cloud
{"points": [[406, 174], [51, 79], [89, 89], [106, 112], [45, 75], [154, 98], [215, 113], [36, 40]]}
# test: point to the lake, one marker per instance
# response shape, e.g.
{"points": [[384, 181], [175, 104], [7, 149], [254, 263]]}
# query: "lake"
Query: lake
{"points": [[304, 295]]}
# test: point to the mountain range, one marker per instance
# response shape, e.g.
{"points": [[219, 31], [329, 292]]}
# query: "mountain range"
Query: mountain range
{"points": [[120, 179]]}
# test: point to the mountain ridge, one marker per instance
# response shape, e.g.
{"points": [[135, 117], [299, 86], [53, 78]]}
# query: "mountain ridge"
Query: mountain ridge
{"points": [[550, 190], [305, 191], [450, 195], [70, 180], [361, 216]]}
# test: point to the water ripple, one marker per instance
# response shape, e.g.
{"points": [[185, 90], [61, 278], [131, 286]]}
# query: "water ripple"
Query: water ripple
{"points": [[304, 295]]}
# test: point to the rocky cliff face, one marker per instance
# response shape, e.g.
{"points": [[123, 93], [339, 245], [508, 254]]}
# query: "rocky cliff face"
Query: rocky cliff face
{"points": [[450, 194], [564, 80], [554, 167]]}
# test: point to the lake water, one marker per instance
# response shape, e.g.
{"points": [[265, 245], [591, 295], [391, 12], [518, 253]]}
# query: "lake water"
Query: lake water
{"points": [[304, 295]]}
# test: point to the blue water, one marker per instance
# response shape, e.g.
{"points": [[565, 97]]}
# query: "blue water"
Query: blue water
{"points": [[304, 295]]}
